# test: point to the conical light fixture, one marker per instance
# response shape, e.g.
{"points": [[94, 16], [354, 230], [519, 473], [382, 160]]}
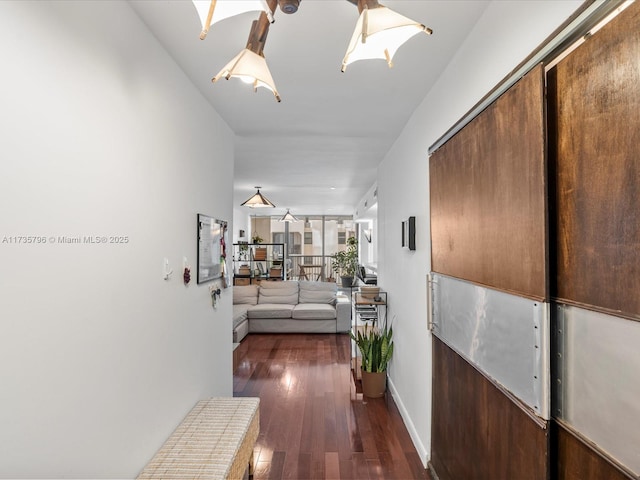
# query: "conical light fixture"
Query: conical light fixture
{"points": [[257, 201], [213, 11], [379, 33], [288, 217], [249, 65]]}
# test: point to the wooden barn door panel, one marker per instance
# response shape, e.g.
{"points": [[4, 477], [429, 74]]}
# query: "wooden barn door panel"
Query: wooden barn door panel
{"points": [[594, 101], [488, 195], [594, 167], [478, 432], [577, 460], [489, 227]]}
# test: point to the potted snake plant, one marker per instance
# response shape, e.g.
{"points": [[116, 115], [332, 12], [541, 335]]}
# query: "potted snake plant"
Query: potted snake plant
{"points": [[376, 348]]}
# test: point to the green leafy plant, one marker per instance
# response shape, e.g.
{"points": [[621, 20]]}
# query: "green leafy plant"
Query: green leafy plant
{"points": [[257, 239], [243, 250], [376, 348], [345, 262]]}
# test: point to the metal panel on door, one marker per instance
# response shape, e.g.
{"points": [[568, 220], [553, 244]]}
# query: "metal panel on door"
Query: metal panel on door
{"points": [[505, 336], [598, 371]]}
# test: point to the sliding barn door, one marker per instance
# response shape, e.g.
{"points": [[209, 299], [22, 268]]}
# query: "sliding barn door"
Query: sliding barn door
{"points": [[489, 289], [594, 102], [536, 274]]}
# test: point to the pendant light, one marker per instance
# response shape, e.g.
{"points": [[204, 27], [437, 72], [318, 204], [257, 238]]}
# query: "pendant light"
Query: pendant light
{"points": [[257, 201], [379, 33], [213, 11], [249, 65], [288, 217]]}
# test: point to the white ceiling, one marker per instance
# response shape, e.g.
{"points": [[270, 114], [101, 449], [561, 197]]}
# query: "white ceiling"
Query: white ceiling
{"points": [[318, 150]]}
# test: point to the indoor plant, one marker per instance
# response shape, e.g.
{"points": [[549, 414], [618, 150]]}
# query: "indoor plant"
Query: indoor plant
{"points": [[376, 348], [259, 253], [243, 251], [345, 262]]}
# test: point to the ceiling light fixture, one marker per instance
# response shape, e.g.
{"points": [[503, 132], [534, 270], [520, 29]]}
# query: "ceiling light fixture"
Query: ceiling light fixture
{"points": [[289, 6], [249, 65], [213, 11], [257, 201], [379, 33], [288, 217]]}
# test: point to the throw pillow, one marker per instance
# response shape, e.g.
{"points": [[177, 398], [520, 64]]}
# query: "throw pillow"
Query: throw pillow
{"points": [[318, 292], [278, 292], [245, 295]]}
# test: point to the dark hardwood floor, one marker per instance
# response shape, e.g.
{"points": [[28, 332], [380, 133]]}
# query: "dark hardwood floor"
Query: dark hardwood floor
{"points": [[313, 422]]}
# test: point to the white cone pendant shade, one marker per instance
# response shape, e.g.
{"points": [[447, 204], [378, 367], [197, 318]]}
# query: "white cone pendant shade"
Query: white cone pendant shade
{"points": [[250, 68], [212, 11], [257, 201], [379, 33], [288, 217]]}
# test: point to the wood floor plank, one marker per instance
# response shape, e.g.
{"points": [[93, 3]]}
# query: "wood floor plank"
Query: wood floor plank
{"points": [[317, 465], [331, 465], [330, 435], [313, 423], [277, 464], [359, 467], [304, 466], [375, 469], [366, 434], [354, 431], [344, 427], [415, 465]]}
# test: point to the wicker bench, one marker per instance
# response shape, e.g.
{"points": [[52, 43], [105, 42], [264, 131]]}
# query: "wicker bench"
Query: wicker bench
{"points": [[214, 441]]}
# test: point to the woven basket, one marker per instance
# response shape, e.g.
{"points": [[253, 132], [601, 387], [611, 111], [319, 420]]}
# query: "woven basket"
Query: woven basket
{"points": [[369, 292], [275, 272]]}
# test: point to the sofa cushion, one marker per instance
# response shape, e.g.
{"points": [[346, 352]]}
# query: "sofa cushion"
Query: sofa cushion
{"points": [[278, 292], [318, 292], [239, 314], [270, 310], [245, 295], [314, 311]]}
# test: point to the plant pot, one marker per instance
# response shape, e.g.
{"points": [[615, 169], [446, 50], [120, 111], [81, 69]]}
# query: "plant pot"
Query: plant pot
{"points": [[374, 384], [346, 281]]}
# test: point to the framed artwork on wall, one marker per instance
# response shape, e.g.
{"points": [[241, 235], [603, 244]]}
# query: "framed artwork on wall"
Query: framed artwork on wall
{"points": [[211, 248]]}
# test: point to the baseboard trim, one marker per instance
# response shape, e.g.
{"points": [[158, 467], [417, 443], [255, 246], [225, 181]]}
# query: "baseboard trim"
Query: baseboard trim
{"points": [[423, 452]]}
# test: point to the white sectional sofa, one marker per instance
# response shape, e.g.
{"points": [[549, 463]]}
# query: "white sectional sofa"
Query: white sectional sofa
{"points": [[289, 307]]}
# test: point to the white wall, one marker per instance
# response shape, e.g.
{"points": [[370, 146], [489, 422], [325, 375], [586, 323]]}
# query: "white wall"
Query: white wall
{"points": [[506, 34], [102, 135], [241, 222], [366, 216]]}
